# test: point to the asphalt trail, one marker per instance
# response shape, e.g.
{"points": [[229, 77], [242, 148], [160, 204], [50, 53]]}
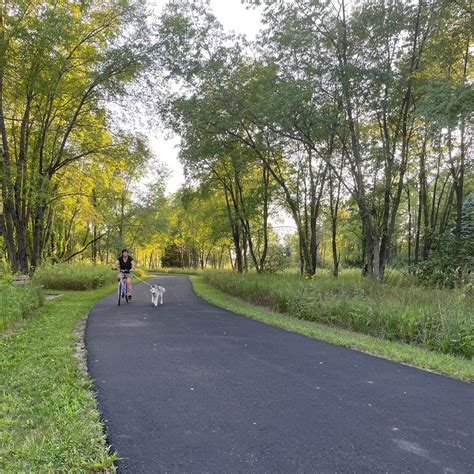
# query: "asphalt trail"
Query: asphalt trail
{"points": [[191, 388]]}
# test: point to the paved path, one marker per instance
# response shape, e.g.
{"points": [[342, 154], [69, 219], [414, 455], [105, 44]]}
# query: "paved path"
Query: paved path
{"points": [[191, 388]]}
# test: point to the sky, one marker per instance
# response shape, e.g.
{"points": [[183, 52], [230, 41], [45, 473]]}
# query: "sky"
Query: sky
{"points": [[233, 16]]}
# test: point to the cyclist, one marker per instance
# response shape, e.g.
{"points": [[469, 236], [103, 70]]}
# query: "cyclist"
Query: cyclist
{"points": [[126, 264]]}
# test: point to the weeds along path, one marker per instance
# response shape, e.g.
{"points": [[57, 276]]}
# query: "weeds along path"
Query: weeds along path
{"points": [[189, 387]]}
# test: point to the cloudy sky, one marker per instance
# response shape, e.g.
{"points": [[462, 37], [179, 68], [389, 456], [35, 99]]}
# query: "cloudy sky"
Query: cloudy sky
{"points": [[233, 16]]}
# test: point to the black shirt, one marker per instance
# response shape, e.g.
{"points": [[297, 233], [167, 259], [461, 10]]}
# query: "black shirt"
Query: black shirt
{"points": [[125, 266]]}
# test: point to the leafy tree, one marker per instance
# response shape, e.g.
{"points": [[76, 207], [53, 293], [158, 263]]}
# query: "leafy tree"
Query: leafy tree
{"points": [[58, 60]]}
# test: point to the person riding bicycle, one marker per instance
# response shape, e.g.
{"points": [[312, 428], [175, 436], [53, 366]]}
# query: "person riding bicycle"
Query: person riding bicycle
{"points": [[126, 265]]}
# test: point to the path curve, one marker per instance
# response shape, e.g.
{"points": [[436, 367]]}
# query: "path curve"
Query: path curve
{"points": [[191, 388]]}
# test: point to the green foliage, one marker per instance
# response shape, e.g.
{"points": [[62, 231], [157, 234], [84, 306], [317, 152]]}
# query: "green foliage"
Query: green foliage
{"points": [[5, 272], [171, 257], [18, 301], [196, 233], [378, 100], [73, 277], [452, 262], [440, 320], [49, 419], [440, 270], [140, 273], [62, 59], [278, 259]]}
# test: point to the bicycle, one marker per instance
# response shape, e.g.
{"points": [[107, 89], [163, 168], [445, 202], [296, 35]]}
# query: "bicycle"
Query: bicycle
{"points": [[123, 288]]}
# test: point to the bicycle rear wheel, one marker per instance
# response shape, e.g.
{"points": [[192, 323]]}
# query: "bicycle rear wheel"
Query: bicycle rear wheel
{"points": [[119, 293]]}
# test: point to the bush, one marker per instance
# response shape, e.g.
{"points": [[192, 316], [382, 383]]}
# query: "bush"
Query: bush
{"points": [[451, 262], [278, 259], [437, 319], [18, 301], [66, 276]]}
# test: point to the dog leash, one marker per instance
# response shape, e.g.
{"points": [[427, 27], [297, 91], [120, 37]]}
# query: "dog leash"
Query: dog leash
{"points": [[143, 281]]}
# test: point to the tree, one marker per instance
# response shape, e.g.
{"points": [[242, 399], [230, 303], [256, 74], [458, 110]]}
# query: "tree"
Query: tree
{"points": [[57, 61]]}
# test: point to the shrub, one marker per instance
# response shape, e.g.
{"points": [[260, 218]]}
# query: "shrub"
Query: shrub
{"points": [[437, 319], [278, 259], [18, 301], [451, 262], [67, 276]]}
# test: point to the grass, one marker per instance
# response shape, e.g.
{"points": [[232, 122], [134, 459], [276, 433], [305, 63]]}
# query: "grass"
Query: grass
{"points": [[65, 276], [5, 272], [439, 320], [49, 421], [409, 354], [18, 301]]}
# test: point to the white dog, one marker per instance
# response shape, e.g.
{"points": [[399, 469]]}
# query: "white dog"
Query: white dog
{"points": [[157, 292]]}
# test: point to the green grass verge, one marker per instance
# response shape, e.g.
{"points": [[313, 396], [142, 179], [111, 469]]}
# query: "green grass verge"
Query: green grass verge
{"points": [[405, 353], [18, 301], [48, 416]]}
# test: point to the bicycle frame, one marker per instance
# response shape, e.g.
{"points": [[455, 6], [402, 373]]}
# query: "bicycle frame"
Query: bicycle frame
{"points": [[122, 289]]}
